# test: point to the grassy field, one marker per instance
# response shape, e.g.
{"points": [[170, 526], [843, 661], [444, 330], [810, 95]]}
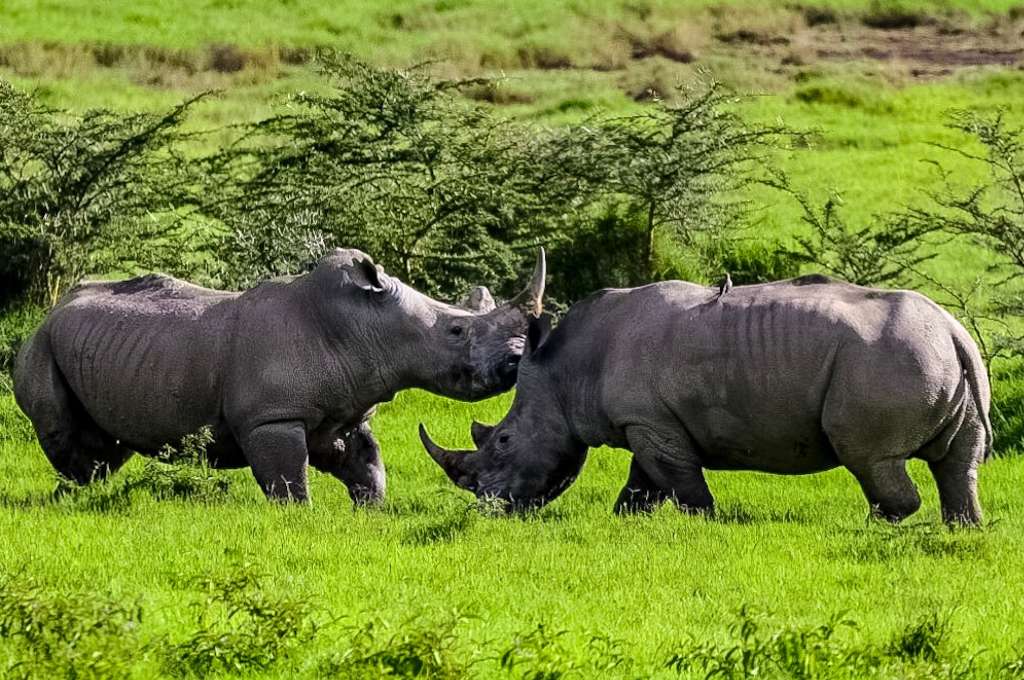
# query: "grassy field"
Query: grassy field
{"points": [[429, 583], [613, 597]]}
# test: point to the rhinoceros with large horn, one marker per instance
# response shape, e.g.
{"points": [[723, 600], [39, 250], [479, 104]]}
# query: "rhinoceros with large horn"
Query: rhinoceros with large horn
{"points": [[791, 377], [284, 374]]}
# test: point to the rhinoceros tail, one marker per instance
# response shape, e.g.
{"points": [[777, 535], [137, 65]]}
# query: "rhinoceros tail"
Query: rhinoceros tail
{"points": [[977, 378]]}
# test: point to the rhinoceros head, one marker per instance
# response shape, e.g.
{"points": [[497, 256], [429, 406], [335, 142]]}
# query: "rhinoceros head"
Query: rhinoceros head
{"points": [[467, 352], [531, 456]]}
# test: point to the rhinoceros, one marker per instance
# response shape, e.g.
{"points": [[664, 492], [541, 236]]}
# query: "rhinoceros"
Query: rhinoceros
{"points": [[284, 374], [791, 377]]}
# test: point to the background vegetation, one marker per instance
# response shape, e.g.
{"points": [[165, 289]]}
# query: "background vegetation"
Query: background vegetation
{"points": [[878, 142]]}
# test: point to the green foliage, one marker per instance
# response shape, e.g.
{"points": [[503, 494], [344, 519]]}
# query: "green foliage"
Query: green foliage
{"points": [[239, 627], [416, 647], [759, 648], [868, 256], [799, 652], [65, 635], [545, 653], [16, 325], [446, 194], [72, 186], [989, 214], [607, 251], [921, 640], [393, 162], [678, 165], [749, 262]]}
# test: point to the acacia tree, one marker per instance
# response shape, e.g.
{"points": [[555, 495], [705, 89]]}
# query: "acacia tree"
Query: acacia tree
{"points": [[885, 252], [680, 166], [987, 214], [72, 187], [446, 193], [392, 162]]}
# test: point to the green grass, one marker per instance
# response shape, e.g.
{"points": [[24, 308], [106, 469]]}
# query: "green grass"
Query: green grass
{"points": [[797, 549], [357, 22]]}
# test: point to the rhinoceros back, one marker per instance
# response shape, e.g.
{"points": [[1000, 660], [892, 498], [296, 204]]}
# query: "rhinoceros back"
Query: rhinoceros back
{"points": [[143, 356]]}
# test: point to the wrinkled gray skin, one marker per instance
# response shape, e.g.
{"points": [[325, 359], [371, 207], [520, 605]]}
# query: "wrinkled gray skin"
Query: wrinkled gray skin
{"points": [[792, 377], [284, 373]]}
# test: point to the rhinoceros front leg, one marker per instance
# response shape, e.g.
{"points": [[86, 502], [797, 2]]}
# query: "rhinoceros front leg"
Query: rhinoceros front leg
{"points": [[277, 455], [670, 465], [640, 494]]}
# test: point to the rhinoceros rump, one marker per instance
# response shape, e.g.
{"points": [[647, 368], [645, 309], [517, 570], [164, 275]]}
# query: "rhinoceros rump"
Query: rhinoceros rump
{"points": [[284, 373], [792, 377]]}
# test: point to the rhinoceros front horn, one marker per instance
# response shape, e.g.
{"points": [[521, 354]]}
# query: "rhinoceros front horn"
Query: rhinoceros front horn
{"points": [[460, 466], [531, 300]]}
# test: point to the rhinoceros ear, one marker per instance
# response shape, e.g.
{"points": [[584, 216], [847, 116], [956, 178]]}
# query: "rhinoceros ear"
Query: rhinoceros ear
{"points": [[358, 269], [537, 332]]}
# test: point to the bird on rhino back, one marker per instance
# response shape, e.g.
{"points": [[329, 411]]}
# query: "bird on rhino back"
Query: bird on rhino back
{"points": [[284, 374], [791, 377]]}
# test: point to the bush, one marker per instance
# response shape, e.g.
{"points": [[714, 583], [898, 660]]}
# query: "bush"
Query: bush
{"points": [[750, 262], [393, 162], [71, 635], [239, 627], [441, 191], [72, 187], [16, 326], [989, 214], [874, 255], [605, 252], [414, 648]]}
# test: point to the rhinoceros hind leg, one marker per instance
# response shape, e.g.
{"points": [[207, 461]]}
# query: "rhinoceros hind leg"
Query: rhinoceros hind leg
{"points": [[888, 488], [670, 464], [72, 442], [278, 457], [956, 475], [83, 454], [363, 471], [354, 458]]}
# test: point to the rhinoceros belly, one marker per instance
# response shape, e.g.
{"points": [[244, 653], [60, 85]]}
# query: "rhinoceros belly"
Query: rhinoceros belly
{"points": [[802, 451], [145, 381]]}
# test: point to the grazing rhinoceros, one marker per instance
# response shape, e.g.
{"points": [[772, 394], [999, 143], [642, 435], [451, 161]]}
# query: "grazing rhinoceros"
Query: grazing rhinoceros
{"points": [[790, 377], [284, 373]]}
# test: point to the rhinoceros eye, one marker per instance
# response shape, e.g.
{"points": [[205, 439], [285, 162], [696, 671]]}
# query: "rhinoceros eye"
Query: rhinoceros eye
{"points": [[503, 439], [455, 331]]}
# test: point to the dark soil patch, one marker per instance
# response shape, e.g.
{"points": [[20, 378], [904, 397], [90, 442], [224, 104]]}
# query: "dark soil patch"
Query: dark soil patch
{"points": [[923, 47], [893, 18], [752, 37], [659, 46], [544, 58]]}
